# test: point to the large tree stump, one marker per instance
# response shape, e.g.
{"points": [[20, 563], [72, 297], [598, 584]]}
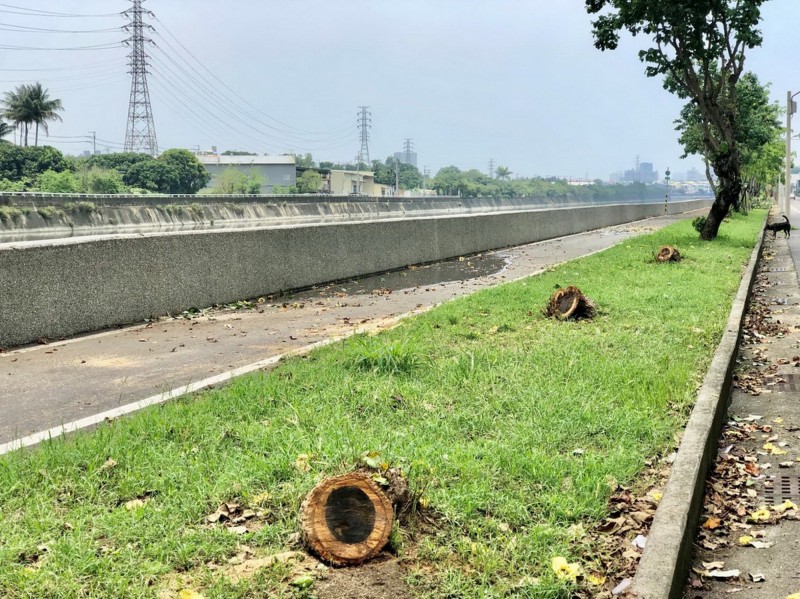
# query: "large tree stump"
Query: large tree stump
{"points": [[668, 254], [570, 303], [346, 520]]}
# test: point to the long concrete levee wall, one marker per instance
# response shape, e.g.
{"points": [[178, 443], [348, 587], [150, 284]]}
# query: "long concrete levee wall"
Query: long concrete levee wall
{"points": [[59, 288]]}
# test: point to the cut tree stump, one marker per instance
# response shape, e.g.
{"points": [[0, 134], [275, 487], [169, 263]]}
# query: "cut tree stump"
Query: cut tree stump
{"points": [[346, 520], [570, 303], [668, 254]]}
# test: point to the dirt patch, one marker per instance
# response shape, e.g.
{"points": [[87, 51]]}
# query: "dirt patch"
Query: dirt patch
{"points": [[382, 578]]}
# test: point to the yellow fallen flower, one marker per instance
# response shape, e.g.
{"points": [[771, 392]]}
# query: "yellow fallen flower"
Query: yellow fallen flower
{"points": [[773, 449], [760, 515], [565, 570], [189, 594], [745, 540], [786, 505], [596, 580], [793, 596]]}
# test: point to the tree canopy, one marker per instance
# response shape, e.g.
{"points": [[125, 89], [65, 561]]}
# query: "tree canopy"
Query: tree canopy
{"points": [[698, 47], [31, 104]]}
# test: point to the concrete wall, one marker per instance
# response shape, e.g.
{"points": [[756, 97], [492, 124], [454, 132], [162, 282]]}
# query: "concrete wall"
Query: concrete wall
{"points": [[60, 288]]}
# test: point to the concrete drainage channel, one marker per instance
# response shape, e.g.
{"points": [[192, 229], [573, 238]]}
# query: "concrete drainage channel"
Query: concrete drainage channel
{"points": [[666, 559]]}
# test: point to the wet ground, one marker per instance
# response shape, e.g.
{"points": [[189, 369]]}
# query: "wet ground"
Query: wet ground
{"points": [[47, 386]]}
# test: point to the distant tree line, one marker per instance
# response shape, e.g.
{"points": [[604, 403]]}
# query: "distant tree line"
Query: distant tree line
{"points": [[45, 169]]}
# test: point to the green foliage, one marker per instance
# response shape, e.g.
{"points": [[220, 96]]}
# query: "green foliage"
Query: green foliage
{"points": [[233, 181], [30, 104], [309, 182], [53, 182], [409, 175], [284, 190], [699, 223], [18, 163], [238, 153], [118, 161], [49, 212], [9, 214], [101, 181], [8, 185], [5, 130], [306, 160], [375, 355], [152, 175], [191, 175]]}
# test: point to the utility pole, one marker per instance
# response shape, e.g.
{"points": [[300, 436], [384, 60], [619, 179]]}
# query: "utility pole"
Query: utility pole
{"points": [[364, 125], [94, 142], [140, 135], [491, 168], [791, 108], [426, 173]]}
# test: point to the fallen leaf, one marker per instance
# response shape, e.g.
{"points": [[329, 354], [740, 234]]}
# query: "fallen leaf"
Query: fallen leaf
{"points": [[134, 504], [189, 594], [622, 586], [761, 544], [238, 530], [774, 450], [785, 464], [109, 463], [760, 515], [712, 523], [757, 577], [724, 574], [777, 420], [596, 580], [713, 565], [745, 540]]}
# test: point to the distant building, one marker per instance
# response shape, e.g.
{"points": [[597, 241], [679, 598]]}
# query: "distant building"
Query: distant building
{"points": [[406, 158], [273, 170], [642, 173], [341, 182], [694, 175]]}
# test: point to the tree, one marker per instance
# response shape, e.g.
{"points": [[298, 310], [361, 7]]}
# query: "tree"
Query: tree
{"points": [[757, 134], [44, 108], [5, 129], [699, 47], [502, 173], [238, 153], [192, 176], [309, 182], [153, 175], [233, 181], [21, 164], [17, 109]]}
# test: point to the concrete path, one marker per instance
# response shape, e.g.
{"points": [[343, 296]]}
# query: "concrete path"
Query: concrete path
{"points": [[46, 386], [773, 354]]}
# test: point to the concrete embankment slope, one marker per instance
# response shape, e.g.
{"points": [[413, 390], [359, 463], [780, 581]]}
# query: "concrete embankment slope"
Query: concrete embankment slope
{"points": [[60, 288]]}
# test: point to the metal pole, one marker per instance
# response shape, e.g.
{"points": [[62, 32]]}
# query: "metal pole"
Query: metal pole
{"points": [[788, 174], [94, 142]]}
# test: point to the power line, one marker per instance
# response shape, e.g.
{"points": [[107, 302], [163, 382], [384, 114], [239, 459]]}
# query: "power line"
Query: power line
{"points": [[69, 68], [27, 29], [48, 13], [107, 46]]}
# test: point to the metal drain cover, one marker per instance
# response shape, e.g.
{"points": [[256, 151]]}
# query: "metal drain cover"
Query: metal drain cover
{"points": [[790, 384], [778, 269], [784, 487]]}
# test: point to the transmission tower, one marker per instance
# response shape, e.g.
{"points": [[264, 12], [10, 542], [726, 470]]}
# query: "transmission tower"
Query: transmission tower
{"points": [[408, 148], [491, 168], [140, 135], [364, 125]]}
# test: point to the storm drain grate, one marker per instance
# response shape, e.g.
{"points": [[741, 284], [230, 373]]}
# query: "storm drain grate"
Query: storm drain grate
{"points": [[785, 383], [778, 489], [778, 269]]}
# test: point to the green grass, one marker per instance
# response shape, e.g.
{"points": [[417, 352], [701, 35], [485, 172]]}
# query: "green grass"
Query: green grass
{"points": [[481, 402]]}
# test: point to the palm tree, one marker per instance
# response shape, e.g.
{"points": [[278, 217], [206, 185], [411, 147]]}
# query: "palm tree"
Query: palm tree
{"points": [[16, 108], [31, 104], [502, 172], [5, 129]]}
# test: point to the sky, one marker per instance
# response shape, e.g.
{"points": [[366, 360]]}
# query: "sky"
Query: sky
{"points": [[516, 81]]}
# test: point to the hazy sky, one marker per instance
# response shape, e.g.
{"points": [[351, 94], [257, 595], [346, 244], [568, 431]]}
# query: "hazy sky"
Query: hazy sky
{"points": [[468, 80]]}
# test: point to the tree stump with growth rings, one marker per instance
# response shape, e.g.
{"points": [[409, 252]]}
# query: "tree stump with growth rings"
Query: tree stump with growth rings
{"points": [[346, 520], [668, 254], [570, 303]]}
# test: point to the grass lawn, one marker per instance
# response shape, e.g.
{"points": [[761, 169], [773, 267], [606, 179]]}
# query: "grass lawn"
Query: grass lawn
{"points": [[482, 402]]}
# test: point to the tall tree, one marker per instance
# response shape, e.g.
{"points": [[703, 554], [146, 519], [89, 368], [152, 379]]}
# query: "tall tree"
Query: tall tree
{"points": [[17, 109], [502, 173], [5, 129], [699, 47], [44, 108], [757, 132]]}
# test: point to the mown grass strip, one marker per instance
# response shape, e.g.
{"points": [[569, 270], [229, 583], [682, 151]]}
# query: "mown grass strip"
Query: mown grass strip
{"points": [[481, 401]]}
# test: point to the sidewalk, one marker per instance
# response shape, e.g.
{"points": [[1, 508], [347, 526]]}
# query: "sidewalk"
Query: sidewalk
{"points": [[759, 451], [62, 382]]}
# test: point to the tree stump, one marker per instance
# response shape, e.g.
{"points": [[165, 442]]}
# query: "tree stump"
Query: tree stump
{"points": [[668, 254], [346, 520], [570, 303]]}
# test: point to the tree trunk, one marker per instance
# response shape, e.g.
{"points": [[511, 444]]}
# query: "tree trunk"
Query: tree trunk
{"points": [[729, 189], [346, 520], [36, 142]]}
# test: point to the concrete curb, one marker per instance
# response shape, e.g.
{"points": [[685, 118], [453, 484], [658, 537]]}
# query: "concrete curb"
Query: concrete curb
{"points": [[666, 559]]}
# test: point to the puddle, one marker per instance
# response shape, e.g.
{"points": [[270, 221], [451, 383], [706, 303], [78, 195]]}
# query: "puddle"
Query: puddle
{"points": [[457, 269]]}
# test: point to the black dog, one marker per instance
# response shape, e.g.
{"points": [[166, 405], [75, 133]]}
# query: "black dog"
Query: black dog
{"points": [[786, 227]]}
